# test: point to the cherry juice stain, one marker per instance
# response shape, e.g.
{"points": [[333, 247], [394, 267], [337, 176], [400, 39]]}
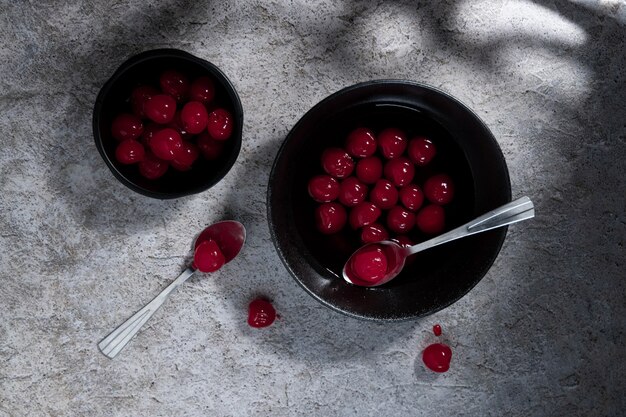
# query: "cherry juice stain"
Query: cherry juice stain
{"points": [[437, 356]]}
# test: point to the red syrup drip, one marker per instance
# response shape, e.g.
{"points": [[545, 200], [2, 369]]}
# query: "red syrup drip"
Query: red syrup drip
{"points": [[437, 356], [437, 330]]}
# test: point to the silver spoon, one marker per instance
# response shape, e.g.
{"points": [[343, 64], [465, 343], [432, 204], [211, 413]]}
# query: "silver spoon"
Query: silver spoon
{"points": [[229, 236], [513, 212]]}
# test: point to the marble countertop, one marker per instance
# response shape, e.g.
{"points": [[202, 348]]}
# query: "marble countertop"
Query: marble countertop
{"points": [[542, 334]]}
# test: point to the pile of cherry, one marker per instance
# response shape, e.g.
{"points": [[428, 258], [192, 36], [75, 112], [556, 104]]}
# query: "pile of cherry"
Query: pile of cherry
{"points": [[370, 184], [171, 126]]}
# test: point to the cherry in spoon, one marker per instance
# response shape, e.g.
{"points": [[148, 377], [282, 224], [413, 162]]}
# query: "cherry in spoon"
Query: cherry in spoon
{"points": [[217, 245], [364, 266]]}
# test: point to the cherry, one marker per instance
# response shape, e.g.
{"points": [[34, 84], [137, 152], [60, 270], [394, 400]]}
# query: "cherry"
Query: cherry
{"points": [[374, 232], [421, 150], [166, 144], [330, 218], [208, 257], [148, 132], [384, 194], [411, 197], [370, 263], [261, 313], [194, 117], [177, 125], [369, 170], [220, 124], [403, 241], [361, 143], [363, 214], [437, 330], [431, 219], [323, 188], [400, 171], [437, 357], [126, 126], [138, 98], [392, 143], [210, 148], [352, 192], [337, 162], [439, 189], [152, 167], [185, 158], [160, 108], [400, 220], [174, 83], [202, 89], [129, 152]]}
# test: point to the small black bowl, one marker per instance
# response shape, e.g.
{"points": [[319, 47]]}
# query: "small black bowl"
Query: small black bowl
{"points": [[145, 68], [466, 150]]}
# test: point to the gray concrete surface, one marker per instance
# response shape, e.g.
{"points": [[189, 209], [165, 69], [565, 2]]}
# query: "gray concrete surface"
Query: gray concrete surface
{"points": [[541, 335]]}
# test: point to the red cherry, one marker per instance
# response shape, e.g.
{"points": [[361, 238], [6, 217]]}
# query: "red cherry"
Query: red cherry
{"points": [[160, 108], [152, 167], [194, 117], [411, 197], [400, 171], [126, 126], [185, 157], [374, 232], [392, 143], [364, 214], [220, 124], [361, 143], [148, 132], [370, 263], [210, 148], [384, 194], [437, 357], [421, 150], [439, 189], [431, 219], [138, 98], [369, 170], [330, 218], [166, 144], [323, 188], [175, 84], [177, 125], [129, 152], [400, 220], [202, 90], [352, 192], [261, 313], [208, 257], [337, 162]]}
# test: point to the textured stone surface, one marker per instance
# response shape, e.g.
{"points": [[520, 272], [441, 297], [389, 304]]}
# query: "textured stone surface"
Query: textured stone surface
{"points": [[542, 334]]}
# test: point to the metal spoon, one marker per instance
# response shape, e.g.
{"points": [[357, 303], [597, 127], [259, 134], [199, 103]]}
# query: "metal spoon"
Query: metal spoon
{"points": [[513, 212], [229, 236]]}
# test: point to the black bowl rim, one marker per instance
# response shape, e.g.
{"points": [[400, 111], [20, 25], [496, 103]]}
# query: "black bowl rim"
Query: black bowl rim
{"points": [[502, 231], [175, 53]]}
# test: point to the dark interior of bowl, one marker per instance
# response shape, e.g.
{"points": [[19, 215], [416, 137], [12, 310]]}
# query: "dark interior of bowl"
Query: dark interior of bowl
{"points": [[114, 98], [467, 152]]}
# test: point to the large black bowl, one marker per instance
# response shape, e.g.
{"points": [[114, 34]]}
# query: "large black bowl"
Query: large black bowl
{"points": [[113, 99], [436, 278]]}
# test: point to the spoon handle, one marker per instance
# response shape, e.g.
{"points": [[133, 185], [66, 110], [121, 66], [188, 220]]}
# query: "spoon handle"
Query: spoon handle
{"points": [[111, 345], [513, 212]]}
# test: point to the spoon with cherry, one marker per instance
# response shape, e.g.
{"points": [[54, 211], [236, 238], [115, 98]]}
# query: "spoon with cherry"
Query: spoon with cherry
{"points": [[378, 263], [217, 245]]}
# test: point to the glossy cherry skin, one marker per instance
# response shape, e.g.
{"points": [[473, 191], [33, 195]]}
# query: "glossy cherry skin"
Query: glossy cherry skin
{"points": [[166, 144], [364, 214], [431, 219], [437, 357], [392, 143], [194, 117], [400, 220], [330, 217], [185, 158], [384, 194], [323, 188], [152, 167], [369, 170], [126, 126], [175, 84], [261, 313], [202, 89], [370, 263], [421, 150], [208, 257], [400, 171], [403, 241], [129, 151], [337, 162], [361, 143], [210, 148], [220, 124], [160, 108], [352, 192], [374, 232], [138, 98], [439, 189], [177, 125], [411, 197]]}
